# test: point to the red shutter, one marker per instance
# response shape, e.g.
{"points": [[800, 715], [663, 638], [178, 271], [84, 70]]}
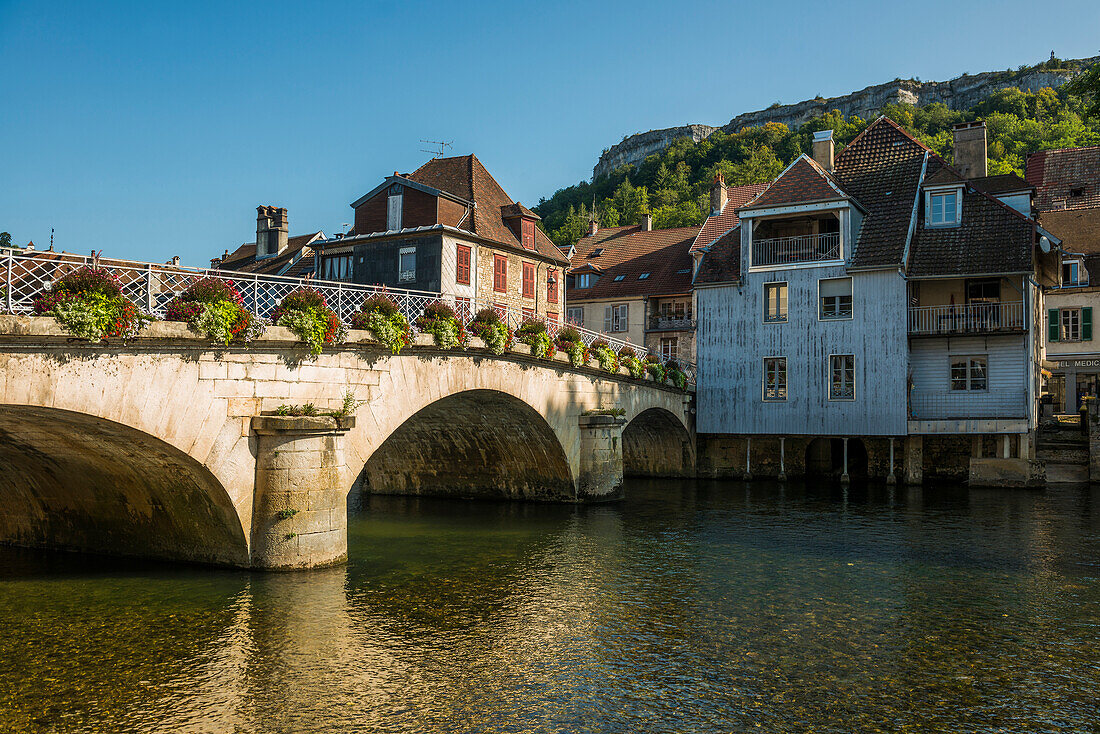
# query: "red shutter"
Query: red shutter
{"points": [[528, 234], [462, 273], [528, 280], [552, 287], [500, 273]]}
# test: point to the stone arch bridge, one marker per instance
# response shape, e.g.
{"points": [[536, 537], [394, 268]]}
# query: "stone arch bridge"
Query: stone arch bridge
{"points": [[166, 447]]}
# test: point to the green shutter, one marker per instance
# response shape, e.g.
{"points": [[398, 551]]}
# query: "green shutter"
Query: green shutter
{"points": [[1086, 324], [1052, 324]]}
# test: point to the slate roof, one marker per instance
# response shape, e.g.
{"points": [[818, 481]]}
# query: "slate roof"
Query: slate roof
{"points": [[881, 168], [803, 182], [1055, 174], [722, 263], [243, 259], [631, 251], [718, 224], [1001, 184], [993, 238], [465, 177], [1079, 229]]}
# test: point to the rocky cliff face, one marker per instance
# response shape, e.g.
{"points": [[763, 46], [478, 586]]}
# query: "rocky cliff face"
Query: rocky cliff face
{"points": [[958, 94]]}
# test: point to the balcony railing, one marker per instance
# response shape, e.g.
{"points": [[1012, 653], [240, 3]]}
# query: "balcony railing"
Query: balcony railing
{"points": [[965, 404], [804, 248], [24, 277], [658, 323], [971, 318]]}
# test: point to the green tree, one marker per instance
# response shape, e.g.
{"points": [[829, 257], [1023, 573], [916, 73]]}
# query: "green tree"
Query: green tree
{"points": [[5, 239], [1087, 86]]}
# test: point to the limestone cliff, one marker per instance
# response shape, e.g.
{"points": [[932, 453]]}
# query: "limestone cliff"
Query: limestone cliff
{"points": [[959, 93]]}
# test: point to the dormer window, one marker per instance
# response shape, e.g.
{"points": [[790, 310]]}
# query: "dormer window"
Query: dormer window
{"points": [[585, 280], [528, 229], [1073, 274], [597, 252], [944, 208]]}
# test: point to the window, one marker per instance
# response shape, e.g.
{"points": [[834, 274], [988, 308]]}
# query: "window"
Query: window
{"points": [[552, 316], [500, 273], [528, 313], [670, 348], [842, 377], [552, 286], [575, 315], [1077, 193], [528, 229], [987, 290], [586, 280], [675, 310], [597, 252], [615, 318], [643, 276], [968, 373], [619, 277], [1071, 325], [775, 302], [336, 267], [775, 378], [528, 280], [1071, 273], [836, 298], [462, 268], [943, 209], [393, 208], [406, 264]]}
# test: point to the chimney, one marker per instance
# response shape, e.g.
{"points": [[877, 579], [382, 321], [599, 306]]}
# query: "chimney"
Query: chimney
{"points": [[593, 226], [823, 149], [647, 222], [176, 260], [970, 151], [271, 231], [718, 194]]}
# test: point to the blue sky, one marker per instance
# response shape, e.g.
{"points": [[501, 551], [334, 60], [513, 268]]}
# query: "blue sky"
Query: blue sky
{"points": [[154, 129]]}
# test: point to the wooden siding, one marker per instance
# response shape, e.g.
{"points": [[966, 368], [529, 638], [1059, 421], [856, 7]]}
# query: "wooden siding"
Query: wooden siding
{"points": [[732, 341], [1008, 374]]}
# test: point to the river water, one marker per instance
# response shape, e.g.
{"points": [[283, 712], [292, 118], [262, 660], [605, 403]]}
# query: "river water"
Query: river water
{"points": [[689, 607]]}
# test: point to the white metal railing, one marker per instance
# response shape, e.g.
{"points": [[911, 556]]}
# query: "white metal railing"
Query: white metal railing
{"points": [[964, 404], [658, 323], [971, 318], [153, 286], [803, 248]]}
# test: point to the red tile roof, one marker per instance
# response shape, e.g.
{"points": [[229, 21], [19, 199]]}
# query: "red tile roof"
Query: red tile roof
{"points": [[629, 252], [718, 224], [1068, 178], [722, 263], [803, 182], [465, 177]]}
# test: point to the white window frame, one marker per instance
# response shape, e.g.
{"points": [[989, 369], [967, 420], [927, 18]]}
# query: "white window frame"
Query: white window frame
{"points": [[929, 206], [616, 318], [405, 275], [571, 314], [1077, 266], [821, 304], [337, 267], [673, 344], [584, 280], [829, 377], [764, 380], [970, 359], [786, 304], [1075, 315]]}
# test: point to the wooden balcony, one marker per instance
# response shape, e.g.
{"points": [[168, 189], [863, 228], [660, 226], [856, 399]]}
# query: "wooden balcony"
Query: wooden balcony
{"points": [[658, 323], [799, 249], [928, 405], [971, 319]]}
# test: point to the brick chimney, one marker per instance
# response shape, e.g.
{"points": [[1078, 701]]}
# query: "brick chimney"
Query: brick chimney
{"points": [[970, 151], [271, 231], [823, 149], [593, 225], [718, 194], [647, 222]]}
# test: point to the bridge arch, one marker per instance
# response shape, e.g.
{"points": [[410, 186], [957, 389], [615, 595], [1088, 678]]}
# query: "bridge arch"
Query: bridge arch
{"points": [[656, 443], [473, 443], [79, 482]]}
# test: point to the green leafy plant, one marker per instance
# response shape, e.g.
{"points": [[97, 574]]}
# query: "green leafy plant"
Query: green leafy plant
{"points": [[569, 341], [629, 359], [605, 356], [440, 320], [618, 412], [534, 334], [349, 405], [386, 324], [89, 303], [494, 332], [655, 369], [216, 308], [306, 313], [286, 514]]}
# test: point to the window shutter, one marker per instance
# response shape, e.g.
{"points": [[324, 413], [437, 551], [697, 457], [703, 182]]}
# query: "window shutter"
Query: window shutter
{"points": [[1052, 325], [607, 319], [1086, 324]]}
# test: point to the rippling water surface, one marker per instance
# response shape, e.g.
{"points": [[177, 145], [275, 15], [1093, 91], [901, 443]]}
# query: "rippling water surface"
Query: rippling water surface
{"points": [[690, 607]]}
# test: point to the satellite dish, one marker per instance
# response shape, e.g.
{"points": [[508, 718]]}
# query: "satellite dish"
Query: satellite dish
{"points": [[1044, 244]]}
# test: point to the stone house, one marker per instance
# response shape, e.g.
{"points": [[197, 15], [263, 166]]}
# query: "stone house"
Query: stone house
{"points": [[449, 227], [634, 283], [869, 303]]}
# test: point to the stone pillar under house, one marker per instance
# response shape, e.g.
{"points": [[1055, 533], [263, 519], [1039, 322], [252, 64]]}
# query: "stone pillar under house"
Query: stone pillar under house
{"points": [[914, 460], [600, 476], [299, 507]]}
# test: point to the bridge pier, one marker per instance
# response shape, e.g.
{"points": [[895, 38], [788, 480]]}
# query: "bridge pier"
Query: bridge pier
{"points": [[600, 475], [299, 504]]}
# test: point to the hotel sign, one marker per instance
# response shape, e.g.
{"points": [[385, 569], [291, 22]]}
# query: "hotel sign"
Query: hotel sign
{"points": [[1079, 363]]}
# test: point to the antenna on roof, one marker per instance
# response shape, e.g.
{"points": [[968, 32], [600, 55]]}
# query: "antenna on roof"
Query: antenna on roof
{"points": [[51, 239], [443, 145]]}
